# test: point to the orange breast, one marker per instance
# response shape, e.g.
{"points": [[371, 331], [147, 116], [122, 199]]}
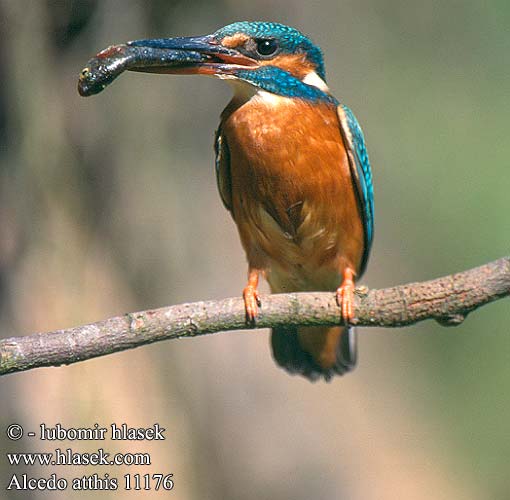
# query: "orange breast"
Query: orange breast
{"points": [[292, 194]]}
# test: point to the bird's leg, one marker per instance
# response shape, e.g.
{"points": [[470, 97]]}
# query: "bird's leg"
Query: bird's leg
{"points": [[345, 295], [251, 295]]}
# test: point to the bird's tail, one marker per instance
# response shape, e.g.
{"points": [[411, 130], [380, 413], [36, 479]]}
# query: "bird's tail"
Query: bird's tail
{"points": [[315, 352]]}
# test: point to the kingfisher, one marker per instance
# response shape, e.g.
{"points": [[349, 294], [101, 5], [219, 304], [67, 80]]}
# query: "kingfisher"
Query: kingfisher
{"points": [[291, 167]]}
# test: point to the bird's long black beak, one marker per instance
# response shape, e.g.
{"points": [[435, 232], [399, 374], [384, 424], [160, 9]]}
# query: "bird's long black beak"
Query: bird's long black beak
{"points": [[182, 55]]}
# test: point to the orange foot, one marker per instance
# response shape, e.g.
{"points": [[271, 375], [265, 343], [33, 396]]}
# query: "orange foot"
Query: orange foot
{"points": [[345, 296], [251, 297]]}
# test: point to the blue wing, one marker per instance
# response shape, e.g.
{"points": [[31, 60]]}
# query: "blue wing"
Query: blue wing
{"points": [[361, 174]]}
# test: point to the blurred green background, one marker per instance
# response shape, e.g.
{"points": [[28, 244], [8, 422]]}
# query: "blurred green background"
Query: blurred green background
{"points": [[109, 204]]}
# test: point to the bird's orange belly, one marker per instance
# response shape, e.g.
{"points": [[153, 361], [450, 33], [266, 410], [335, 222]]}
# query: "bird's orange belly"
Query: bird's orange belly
{"points": [[292, 195]]}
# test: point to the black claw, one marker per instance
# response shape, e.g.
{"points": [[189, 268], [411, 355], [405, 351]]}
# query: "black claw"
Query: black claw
{"points": [[251, 321]]}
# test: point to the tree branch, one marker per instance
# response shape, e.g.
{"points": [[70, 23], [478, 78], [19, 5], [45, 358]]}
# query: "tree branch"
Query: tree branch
{"points": [[448, 300]]}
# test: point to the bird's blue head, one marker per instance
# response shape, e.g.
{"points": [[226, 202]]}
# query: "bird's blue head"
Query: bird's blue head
{"points": [[274, 44], [271, 56]]}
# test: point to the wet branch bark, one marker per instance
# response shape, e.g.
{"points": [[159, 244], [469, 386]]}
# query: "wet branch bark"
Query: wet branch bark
{"points": [[448, 300]]}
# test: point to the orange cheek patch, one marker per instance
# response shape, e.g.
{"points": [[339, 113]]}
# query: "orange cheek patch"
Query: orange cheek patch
{"points": [[235, 40], [295, 64]]}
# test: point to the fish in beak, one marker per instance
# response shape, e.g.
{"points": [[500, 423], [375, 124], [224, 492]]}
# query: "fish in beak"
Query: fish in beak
{"points": [[202, 55]]}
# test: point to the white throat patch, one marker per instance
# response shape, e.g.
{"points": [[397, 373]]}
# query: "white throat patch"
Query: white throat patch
{"points": [[245, 91], [315, 80]]}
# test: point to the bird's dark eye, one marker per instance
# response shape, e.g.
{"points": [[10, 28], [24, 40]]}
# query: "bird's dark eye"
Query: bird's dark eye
{"points": [[267, 47]]}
